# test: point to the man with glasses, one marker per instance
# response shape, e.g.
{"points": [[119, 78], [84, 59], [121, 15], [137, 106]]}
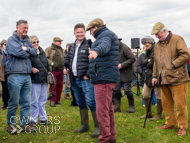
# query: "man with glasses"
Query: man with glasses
{"points": [[56, 57], [170, 69], [18, 69]]}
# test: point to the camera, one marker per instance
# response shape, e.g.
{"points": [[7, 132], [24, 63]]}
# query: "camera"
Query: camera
{"points": [[51, 95]]}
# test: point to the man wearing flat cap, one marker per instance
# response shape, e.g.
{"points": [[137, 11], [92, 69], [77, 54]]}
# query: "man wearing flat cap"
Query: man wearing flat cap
{"points": [[170, 70], [104, 74], [56, 57]]}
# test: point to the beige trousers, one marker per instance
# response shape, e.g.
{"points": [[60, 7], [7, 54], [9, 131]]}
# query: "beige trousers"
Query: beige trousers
{"points": [[175, 94], [147, 90]]}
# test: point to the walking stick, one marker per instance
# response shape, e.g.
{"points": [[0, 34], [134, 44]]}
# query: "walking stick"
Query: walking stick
{"points": [[152, 92]]}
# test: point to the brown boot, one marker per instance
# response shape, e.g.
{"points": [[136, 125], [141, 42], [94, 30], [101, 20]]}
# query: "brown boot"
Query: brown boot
{"points": [[159, 111], [11, 130], [146, 102], [58, 102], [66, 96], [28, 128], [52, 104]]}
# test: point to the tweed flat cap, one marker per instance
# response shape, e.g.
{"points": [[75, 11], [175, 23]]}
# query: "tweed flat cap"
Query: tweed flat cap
{"points": [[57, 39], [147, 39], [157, 27], [96, 22]]}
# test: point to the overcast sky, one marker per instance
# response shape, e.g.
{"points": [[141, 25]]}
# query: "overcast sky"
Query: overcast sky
{"points": [[127, 18]]}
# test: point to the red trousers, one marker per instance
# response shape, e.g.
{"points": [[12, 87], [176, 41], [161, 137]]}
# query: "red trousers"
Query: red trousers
{"points": [[58, 86], [105, 111]]}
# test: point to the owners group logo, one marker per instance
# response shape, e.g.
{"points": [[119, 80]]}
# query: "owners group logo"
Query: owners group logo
{"points": [[41, 128]]}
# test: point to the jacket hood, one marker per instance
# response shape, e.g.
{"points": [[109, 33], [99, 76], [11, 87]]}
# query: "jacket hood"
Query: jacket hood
{"points": [[16, 36]]}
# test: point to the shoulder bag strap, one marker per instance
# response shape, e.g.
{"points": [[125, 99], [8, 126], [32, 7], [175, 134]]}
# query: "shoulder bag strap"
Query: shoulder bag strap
{"points": [[42, 64]]}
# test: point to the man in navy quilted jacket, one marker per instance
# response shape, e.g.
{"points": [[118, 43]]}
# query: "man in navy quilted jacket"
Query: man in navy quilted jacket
{"points": [[104, 74]]}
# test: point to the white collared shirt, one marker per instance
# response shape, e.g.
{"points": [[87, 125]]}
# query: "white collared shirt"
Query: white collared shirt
{"points": [[74, 65]]}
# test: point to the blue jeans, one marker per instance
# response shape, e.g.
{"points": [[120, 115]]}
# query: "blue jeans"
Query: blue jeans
{"points": [[84, 93], [19, 86], [66, 89]]}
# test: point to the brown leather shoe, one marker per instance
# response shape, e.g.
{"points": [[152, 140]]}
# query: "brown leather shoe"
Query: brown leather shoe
{"points": [[11, 130], [52, 104], [58, 102], [181, 131], [165, 126], [66, 96]]}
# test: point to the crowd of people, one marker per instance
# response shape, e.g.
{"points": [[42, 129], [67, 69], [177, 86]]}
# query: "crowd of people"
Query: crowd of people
{"points": [[85, 68]]}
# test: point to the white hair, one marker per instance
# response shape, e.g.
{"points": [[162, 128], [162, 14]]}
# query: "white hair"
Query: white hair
{"points": [[164, 28]]}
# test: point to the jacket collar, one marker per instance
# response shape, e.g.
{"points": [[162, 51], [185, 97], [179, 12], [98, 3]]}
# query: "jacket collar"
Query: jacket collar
{"points": [[17, 37], [167, 40], [100, 31], [152, 47], [53, 46], [81, 42]]}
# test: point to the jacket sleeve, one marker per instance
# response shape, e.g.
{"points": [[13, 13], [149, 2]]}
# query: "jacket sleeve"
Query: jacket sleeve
{"points": [[154, 66], [15, 49], [139, 63], [145, 60], [47, 52], [104, 46], [151, 63], [31, 50], [183, 54], [67, 60], [130, 58]]}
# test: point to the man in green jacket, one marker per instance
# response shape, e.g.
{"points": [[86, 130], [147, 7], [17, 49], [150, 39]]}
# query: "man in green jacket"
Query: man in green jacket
{"points": [[56, 58], [125, 66]]}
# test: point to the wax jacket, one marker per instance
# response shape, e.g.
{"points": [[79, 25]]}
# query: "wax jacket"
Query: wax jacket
{"points": [[170, 60]]}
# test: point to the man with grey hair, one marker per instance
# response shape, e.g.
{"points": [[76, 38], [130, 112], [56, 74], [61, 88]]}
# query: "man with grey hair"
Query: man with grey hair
{"points": [[170, 70], [18, 68]]}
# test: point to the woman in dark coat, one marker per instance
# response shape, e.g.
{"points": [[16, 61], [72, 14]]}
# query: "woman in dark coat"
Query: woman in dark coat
{"points": [[39, 85], [148, 61]]}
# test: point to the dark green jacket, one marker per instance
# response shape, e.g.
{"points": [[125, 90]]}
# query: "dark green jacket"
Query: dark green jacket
{"points": [[126, 59], [149, 65]]}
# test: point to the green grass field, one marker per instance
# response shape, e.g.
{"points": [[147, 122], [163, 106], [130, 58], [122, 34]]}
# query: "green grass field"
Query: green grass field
{"points": [[129, 127]]}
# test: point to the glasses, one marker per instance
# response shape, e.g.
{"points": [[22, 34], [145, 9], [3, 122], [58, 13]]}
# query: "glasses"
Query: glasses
{"points": [[35, 42], [4, 44]]}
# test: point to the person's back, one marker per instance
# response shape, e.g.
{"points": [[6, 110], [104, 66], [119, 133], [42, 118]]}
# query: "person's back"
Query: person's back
{"points": [[104, 69]]}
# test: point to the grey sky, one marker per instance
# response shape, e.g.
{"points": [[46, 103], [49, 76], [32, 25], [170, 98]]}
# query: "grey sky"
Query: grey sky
{"points": [[128, 19]]}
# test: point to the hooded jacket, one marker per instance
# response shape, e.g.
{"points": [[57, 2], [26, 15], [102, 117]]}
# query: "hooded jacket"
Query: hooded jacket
{"points": [[18, 60], [104, 69]]}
